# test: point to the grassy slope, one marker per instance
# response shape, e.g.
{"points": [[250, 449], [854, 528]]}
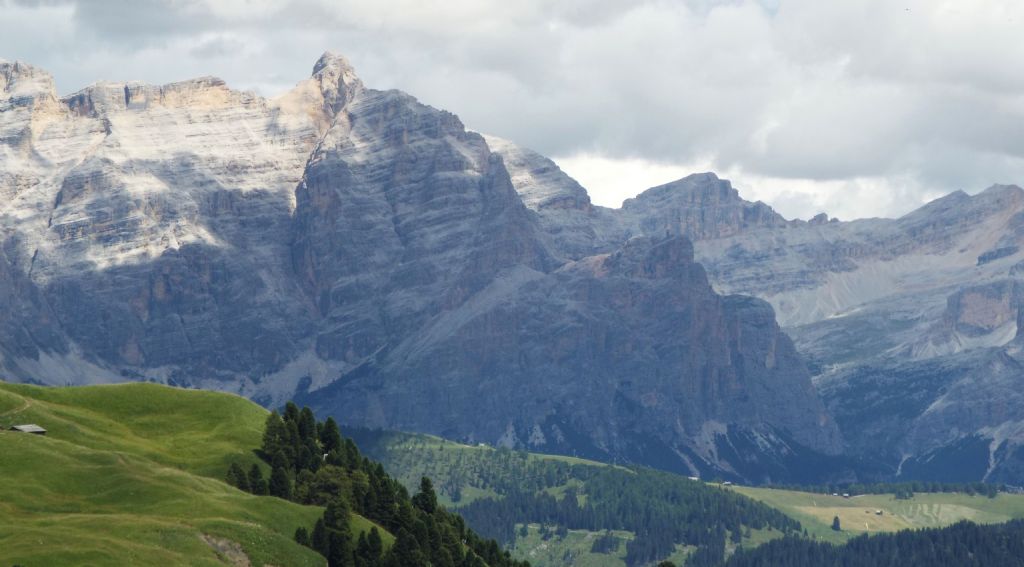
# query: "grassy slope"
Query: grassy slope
{"points": [[574, 549], [130, 474], [857, 514], [408, 456]]}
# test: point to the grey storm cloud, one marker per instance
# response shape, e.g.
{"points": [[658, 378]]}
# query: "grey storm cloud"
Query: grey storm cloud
{"points": [[911, 99]]}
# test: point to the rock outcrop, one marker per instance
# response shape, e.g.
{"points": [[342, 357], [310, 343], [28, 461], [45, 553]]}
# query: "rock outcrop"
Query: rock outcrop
{"points": [[627, 356]]}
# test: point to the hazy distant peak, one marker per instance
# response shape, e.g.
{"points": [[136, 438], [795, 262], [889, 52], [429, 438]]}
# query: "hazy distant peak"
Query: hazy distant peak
{"points": [[1000, 189]]}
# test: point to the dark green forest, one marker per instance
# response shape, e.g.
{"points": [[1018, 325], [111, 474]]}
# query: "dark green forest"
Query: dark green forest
{"points": [[964, 544], [902, 490], [661, 509], [312, 463]]}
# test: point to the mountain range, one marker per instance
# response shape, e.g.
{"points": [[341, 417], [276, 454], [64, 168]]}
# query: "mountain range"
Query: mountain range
{"points": [[368, 255]]}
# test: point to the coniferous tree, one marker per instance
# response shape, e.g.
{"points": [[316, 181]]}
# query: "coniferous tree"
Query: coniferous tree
{"points": [[302, 536], [339, 550], [307, 425], [336, 516], [406, 551], [291, 412], [835, 524], [274, 435], [319, 539], [375, 544], [350, 454], [426, 499], [257, 485], [280, 485], [362, 554], [236, 477], [330, 436]]}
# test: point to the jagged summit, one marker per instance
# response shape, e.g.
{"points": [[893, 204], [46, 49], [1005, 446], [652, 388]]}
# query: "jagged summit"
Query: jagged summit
{"points": [[331, 60], [699, 206], [21, 83], [337, 80]]}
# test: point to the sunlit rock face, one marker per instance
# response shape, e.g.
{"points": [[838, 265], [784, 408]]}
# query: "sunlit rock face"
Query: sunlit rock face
{"points": [[366, 253]]}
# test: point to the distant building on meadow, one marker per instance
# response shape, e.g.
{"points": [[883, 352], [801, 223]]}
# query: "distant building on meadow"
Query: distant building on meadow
{"points": [[29, 428]]}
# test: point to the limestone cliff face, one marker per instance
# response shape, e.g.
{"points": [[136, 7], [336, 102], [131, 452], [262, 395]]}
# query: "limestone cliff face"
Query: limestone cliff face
{"points": [[700, 207], [367, 253], [626, 350], [911, 325]]}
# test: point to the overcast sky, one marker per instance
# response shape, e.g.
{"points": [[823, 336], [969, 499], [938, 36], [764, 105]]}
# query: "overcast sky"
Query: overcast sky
{"points": [[865, 108]]}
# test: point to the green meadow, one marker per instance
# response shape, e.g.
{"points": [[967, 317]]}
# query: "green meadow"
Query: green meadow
{"points": [[132, 474]]}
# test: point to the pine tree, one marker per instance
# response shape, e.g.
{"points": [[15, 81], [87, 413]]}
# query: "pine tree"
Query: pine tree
{"points": [[291, 412], [339, 550], [280, 485], [351, 454], [307, 425], [330, 437], [302, 536], [375, 543], [835, 524], [406, 551], [363, 550], [236, 477], [337, 515], [426, 499], [257, 485], [319, 538], [274, 435]]}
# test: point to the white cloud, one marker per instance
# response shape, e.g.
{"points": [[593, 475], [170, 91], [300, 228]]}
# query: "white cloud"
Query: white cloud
{"points": [[860, 107]]}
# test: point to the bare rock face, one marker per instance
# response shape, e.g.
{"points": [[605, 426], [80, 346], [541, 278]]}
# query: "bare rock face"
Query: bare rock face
{"points": [[367, 253], [700, 207], [911, 325], [628, 356], [573, 227]]}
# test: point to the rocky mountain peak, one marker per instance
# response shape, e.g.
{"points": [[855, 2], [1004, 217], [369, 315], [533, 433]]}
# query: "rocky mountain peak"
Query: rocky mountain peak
{"points": [[697, 188], [21, 84], [699, 206], [539, 181], [999, 191], [338, 80], [820, 218]]}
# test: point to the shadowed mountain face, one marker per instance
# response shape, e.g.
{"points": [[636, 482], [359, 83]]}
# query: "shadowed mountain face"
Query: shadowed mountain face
{"points": [[911, 326], [365, 253]]}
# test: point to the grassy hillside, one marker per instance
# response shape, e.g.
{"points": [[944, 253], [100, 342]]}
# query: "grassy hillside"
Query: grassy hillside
{"points": [[131, 474], [501, 494], [858, 514], [468, 475]]}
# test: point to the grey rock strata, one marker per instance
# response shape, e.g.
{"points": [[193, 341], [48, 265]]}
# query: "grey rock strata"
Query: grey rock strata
{"points": [[366, 253]]}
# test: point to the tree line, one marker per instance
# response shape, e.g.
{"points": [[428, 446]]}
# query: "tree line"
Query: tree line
{"points": [[312, 463], [661, 509], [901, 490], [964, 544]]}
